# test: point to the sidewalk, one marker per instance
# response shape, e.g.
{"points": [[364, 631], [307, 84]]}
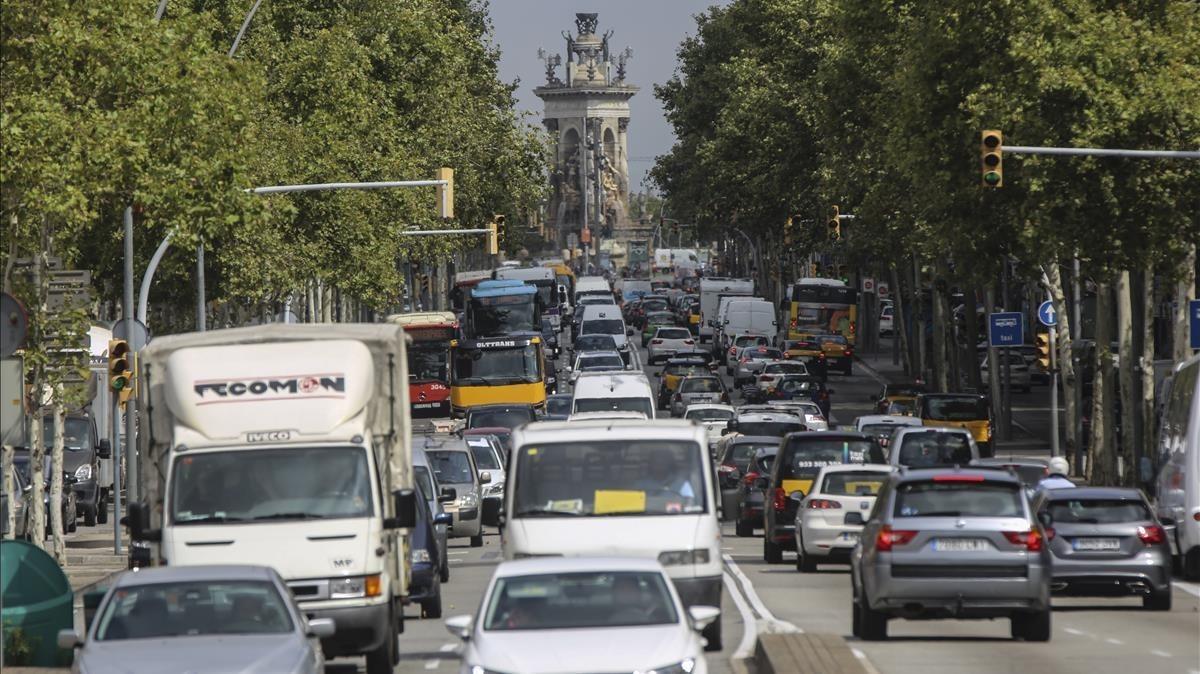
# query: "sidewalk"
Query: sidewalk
{"points": [[90, 557]]}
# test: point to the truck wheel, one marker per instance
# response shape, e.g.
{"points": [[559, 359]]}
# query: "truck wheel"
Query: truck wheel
{"points": [[744, 528], [477, 541], [712, 636], [89, 515], [382, 660], [102, 507]]}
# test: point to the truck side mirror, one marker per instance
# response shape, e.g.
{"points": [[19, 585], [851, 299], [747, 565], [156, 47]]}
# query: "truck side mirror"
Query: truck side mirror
{"points": [[138, 521], [405, 505], [104, 449], [448, 495]]}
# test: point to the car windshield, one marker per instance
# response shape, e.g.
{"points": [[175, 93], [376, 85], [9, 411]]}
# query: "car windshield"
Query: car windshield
{"points": [[615, 405], [804, 456], [558, 404], [660, 318], [485, 458], [856, 483], [708, 414], [653, 305], [955, 409], [76, 434], [882, 432], [700, 385], [580, 600], [496, 366], [601, 361], [197, 608], [926, 449], [429, 360], [742, 453], [451, 467], [775, 428], [498, 418], [673, 333], [1098, 511], [595, 343], [424, 482], [271, 484], [609, 478], [958, 499]]}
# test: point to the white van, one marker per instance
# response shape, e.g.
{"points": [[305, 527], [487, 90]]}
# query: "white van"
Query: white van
{"points": [[1178, 484], [712, 289], [591, 285], [750, 317], [619, 488], [605, 319], [613, 391]]}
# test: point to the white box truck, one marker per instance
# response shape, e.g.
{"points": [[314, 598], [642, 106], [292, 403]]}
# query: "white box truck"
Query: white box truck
{"points": [[711, 291], [287, 446]]}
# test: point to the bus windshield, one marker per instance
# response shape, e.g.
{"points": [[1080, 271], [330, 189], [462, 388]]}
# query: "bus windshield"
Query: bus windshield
{"points": [[429, 361], [496, 366], [497, 316]]}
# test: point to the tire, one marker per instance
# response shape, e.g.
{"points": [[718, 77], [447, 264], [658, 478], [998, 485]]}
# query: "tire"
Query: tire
{"points": [[712, 636], [444, 572], [872, 624], [772, 553], [1157, 601], [382, 659], [1191, 564], [432, 607], [744, 528], [477, 541], [89, 515], [102, 508], [804, 563], [1031, 626]]}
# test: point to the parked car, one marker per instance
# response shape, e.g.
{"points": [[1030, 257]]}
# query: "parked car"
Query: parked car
{"points": [[825, 529], [951, 543], [66, 504], [203, 619], [887, 321], [1017, 366], [82, 451], [1106, 542]]}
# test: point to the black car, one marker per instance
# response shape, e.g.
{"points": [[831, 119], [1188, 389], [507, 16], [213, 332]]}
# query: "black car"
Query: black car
{"points": [[82, 451], [506, 415], [550, 339], [735, 467], [801, 456], [425, 588], [802, 387], [66, 503]]}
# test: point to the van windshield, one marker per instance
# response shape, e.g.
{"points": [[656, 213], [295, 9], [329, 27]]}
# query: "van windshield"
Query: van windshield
{"points": [[271, 484], [602, 326], [77, 434], [610, 477], [927, 449], [615, 405], [451, 467]]}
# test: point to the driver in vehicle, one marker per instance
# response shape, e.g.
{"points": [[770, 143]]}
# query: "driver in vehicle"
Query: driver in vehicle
{"points": [[664, 477]]}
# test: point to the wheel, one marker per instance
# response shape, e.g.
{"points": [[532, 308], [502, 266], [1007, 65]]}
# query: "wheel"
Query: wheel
{"points": [[102, 508], [712, 636], [477, 541], [382, 659], [432, 607], [804, 563], [89, 515], [1158, 601], [772, 553], [744, 528], [1191, 564], [855, 618], [1032, 626], [872, 624], [73, 526], [444, 573]]}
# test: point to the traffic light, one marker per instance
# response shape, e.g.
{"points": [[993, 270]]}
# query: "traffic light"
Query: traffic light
{"points": [[120, 369], [991, 153], [446, 192], [1043, 347], [835, 224], [843, 272], [787, 230], [493, 239]]}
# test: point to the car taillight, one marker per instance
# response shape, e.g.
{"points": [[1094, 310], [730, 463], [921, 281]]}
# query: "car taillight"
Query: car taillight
{"points": [[780, 499], [787, 356], [1152, 535], [750, 478], [888, 537], [726, 468], [1032, 540], [823, 504], [849, 352], [656, 341]]}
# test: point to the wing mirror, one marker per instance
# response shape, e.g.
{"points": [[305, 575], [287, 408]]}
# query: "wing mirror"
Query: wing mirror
{"points": [[702, 616], [796, 496], [459, 626], [321, 627], [104, 449], [448, 495], [485, 477], [69, 640], [405, 506], [443, 518]]}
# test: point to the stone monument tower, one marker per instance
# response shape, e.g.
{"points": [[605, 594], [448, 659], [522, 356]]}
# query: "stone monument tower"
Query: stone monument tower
{"points": [[587, 115]]}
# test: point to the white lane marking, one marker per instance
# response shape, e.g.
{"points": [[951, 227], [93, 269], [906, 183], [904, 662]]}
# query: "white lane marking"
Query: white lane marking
{"points": [[458, 552], [1078, 633], [774, 624], [1190, 588], [446, 648], [1159, 653], [432, 664], [1114, 642], [745, 647], [862, 657]]}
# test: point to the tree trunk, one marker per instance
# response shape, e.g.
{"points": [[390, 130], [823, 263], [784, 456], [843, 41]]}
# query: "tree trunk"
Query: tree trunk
{"points": [[1149, 418], [1128, 361], [58, 547], [938, 360], [970, 358], [1102, 468], [37, 478], [1185, 291], [6, 483], [1065, 362], [918, 336], [989, 303], [899, 325], [326, 302]]}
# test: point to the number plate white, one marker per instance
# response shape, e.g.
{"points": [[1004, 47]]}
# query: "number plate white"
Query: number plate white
{"points": [[1096, 544], [960, 545], [849, 535]]}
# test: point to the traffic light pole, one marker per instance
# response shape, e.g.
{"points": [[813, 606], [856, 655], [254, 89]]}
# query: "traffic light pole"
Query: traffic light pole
{"points": [[131, 405], [114, 435], [1054, 448]]}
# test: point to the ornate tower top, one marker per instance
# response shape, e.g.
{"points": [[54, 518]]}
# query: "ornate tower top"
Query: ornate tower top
{"points": [[589, 61]]}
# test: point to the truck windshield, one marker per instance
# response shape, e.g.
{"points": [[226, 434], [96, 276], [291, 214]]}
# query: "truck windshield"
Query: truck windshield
{"points": [[505, 315], [77, 434], [496, 366], [610, 478], [271, 484]]}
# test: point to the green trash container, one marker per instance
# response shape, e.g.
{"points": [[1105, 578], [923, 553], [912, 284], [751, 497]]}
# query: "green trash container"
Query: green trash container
{"points": [[37, 603]]}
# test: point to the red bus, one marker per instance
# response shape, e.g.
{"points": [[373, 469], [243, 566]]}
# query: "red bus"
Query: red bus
{"points": [[429, 361]]}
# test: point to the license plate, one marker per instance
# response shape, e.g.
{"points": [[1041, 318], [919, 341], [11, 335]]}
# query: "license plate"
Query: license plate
{"points": [[1096, 544], [849, 535], [961, 545]]}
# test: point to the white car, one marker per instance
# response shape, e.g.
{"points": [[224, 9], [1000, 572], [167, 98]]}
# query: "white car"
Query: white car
{"points": [[1018, 368], [611, 415], [772, 372], [884, 426], [807, 410], [666, 342], [826, 526], [582, 614], [887, 320], [736, 344], [713, 417]]}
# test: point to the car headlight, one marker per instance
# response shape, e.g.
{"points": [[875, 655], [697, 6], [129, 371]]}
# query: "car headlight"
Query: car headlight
{"points": [[355, 586], [84, 472], [469, 499], [682, 557], [687, 666], [495, 489], [420, 556]]}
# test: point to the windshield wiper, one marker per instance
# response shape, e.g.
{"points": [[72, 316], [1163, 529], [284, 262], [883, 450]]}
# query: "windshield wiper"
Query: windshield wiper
{"points": [[546, 512], [289, 516], [209, 519]]}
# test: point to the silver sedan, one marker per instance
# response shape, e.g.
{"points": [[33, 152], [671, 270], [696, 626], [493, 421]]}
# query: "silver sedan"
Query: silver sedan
{"points": [[184, 618]]}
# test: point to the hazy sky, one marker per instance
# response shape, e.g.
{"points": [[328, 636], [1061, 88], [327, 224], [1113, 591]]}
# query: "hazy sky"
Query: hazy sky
{"points": [[652, 28]]}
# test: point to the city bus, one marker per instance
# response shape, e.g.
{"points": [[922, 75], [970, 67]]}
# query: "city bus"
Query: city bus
{"points": [[510, 369], [428, 360], [823, 306], [463, 283], [500, 308], [544, 280]]}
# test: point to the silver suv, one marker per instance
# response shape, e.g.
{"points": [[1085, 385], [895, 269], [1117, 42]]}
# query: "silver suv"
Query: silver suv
{"points": [[952, 543]]}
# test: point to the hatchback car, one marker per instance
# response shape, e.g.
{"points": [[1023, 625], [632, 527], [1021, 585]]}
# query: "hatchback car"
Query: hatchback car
{"points": [[1106, 542], [739, 342], [745, 459], [654, 321], [951, 543], [666, 342], [583, 614], [698, 389], [826, 530], [773, 371], [202, 619], [454, 465], [751, 360], [714, 417], [1018, 369], [925, 447]]}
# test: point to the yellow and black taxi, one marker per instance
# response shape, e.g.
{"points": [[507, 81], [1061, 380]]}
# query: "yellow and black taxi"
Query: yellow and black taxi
{"points": [[899, 398], [807, 350], [958, 410], [673, 372], [838, 352]]}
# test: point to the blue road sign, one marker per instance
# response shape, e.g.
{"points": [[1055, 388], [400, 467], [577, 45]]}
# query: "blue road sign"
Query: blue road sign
{"points": [[1047, 315], [1006, 329], [1194, 314]]}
